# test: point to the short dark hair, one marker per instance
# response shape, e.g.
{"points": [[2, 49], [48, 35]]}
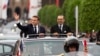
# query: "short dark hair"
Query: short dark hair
{"points": [[71, 43], [37, 17], [17, 11]]}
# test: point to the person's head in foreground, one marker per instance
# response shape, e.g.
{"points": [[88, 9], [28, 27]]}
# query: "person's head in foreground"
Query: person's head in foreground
{"points": [[71, 44]]}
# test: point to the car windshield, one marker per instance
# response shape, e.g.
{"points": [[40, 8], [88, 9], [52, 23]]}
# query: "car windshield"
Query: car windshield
{"points": [[94, 49], [45, 47]]}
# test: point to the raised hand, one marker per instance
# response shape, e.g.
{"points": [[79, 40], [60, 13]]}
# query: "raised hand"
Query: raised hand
{"points": [[16, 16]]}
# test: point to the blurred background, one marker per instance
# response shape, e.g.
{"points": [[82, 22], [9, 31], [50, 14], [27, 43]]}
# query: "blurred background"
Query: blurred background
{"points": [[28, 8]]}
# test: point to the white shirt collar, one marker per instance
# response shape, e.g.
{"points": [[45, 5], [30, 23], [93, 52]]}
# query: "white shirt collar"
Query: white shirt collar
{"points": [[60, 25], [36, 26]]}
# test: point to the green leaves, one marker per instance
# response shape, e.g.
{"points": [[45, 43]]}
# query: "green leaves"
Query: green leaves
{"points": [[48, 14], [69, 12], [89, 16]]}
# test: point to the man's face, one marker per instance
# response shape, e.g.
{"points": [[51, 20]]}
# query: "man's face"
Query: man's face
{"points": [[35, 21], [72, 49], [60, 19]]}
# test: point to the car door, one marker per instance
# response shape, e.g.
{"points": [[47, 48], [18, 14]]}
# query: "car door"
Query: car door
{"points": [[6, 50]]}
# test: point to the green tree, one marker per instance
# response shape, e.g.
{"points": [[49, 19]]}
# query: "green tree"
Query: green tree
{"points": [[48, 15], [89, 15], [69, 12]]}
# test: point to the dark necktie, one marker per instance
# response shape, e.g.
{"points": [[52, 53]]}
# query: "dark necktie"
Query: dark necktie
{"points": [[35, 29], [60, 27]]}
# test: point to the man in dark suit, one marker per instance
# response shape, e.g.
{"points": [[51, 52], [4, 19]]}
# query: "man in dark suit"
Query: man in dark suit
{"points": [[60, 29], [34, 30]]}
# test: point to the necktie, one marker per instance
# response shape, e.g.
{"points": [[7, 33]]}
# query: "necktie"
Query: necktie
{"points": [[60, 27]]}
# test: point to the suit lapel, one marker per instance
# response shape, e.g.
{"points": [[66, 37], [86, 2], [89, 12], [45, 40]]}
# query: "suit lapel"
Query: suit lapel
{"points": [[64, 29], [58, 29], [31, 29]]}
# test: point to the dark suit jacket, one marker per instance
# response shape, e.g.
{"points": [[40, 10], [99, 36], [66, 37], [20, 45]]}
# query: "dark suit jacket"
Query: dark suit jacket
{"points": [[29, 30], [56, 28], [23, 34], [98, 36]]}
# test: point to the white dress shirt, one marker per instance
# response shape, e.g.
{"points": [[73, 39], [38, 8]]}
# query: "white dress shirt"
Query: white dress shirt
{"points": [[60, 26]]}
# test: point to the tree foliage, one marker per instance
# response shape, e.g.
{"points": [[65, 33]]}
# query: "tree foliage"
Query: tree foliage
{"points": [[88, 14], [69, 12], [48, 14]]}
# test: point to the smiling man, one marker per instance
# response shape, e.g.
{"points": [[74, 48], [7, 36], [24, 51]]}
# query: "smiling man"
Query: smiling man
{"points": [[60, 29]]}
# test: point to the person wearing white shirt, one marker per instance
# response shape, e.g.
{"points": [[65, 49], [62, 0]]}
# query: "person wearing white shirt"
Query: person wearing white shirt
{"points": [[60, 29]]}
